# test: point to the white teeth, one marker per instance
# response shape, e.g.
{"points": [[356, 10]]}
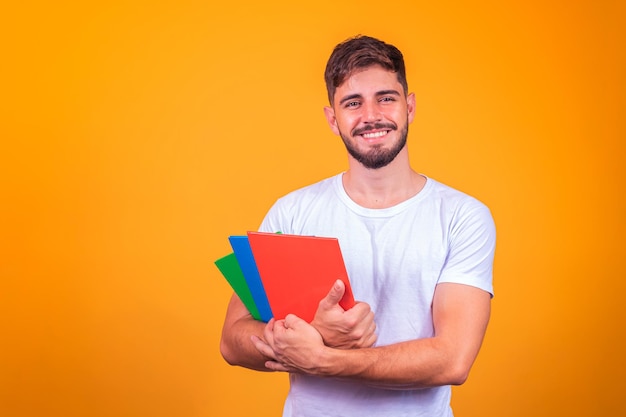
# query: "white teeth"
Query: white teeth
{"points": [[374, 134]]}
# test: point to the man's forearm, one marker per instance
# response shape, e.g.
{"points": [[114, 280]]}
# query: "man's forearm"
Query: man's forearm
{"points": [[235, 345], [460, 317], [415, 364]]}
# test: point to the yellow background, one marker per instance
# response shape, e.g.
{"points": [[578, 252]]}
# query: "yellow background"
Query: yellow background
{"points": [[136, 136]]}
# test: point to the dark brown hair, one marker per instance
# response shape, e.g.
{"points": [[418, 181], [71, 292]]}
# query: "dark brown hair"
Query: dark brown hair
{"points": [[358, 53]]}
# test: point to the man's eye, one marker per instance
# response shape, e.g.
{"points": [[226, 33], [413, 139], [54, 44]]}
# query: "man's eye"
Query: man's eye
{"points": [[385, 99], [352, 104]]}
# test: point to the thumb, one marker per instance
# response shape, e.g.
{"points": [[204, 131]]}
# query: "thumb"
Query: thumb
{"points": [[291, 320], [334, 295]]}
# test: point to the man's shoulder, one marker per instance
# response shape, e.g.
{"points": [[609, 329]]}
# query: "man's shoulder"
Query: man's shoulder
{"points": [[453, 196], [289, 211], [312, 190]]}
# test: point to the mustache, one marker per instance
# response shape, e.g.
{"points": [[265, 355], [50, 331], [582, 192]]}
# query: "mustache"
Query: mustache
{"points": [[375, 126]]}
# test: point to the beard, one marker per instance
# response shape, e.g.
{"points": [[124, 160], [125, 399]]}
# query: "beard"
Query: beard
{"points": [[378, 156]]}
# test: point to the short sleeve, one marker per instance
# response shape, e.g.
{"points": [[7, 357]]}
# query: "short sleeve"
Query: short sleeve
{"points": [[472, 241]]}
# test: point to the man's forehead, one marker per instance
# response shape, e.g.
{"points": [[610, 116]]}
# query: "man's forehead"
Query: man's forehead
{"points": [[370, 78], [369, 81]]}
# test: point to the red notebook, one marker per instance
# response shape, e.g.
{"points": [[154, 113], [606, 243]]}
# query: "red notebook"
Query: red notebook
{"points": [[298, 271]]}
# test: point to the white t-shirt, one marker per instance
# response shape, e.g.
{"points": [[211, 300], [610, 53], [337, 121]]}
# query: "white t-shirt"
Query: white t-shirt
{"points": [[395, 257]]}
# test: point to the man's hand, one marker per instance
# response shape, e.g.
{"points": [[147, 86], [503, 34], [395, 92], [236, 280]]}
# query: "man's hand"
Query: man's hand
{"points": [[291, 344], [344, 329]]}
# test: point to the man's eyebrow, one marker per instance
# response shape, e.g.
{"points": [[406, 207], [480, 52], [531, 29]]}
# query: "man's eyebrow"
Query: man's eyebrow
{"points": [[388, 92], [350, 97]]}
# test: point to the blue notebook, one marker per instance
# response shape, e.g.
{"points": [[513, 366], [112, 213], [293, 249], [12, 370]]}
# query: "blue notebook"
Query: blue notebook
{"points": [[243, 253]]}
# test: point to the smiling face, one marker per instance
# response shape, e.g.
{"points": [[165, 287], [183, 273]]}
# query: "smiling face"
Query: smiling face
{"points": [[371, 113]]}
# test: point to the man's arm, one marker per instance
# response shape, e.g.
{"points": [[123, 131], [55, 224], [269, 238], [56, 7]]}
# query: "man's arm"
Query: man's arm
{"points": [[460, 317], [354, 328], [235, 344]]}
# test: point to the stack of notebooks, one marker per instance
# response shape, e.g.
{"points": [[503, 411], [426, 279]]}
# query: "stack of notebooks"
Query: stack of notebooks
{"points": [[277, 274]]}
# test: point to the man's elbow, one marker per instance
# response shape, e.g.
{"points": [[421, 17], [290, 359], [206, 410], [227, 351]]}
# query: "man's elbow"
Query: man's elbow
{"points": [[227, 353], [458, 373], [458, 378]]}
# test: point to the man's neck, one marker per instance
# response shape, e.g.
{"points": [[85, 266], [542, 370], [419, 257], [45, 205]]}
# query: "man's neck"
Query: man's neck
{"points": [[383, 187]]}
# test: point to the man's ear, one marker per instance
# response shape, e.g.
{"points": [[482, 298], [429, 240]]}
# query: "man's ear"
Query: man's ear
{"points": [[329, 112], [410, 106]]}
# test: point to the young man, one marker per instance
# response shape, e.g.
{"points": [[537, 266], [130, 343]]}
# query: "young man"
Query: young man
{"points": [[419, 255]]}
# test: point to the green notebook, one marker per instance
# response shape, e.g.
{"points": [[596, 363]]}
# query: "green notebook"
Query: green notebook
{"points": [[229, 267]]}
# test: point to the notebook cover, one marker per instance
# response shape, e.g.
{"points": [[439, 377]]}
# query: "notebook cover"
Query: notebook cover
{"points": [[298, 271], [243, 253], [229, 267]]}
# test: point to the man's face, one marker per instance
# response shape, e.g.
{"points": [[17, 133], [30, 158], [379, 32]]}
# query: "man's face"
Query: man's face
{"points": [[371, 114]]}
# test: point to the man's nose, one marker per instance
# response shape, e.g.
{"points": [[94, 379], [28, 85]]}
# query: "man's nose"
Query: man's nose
{"points": [[371, 112]]}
